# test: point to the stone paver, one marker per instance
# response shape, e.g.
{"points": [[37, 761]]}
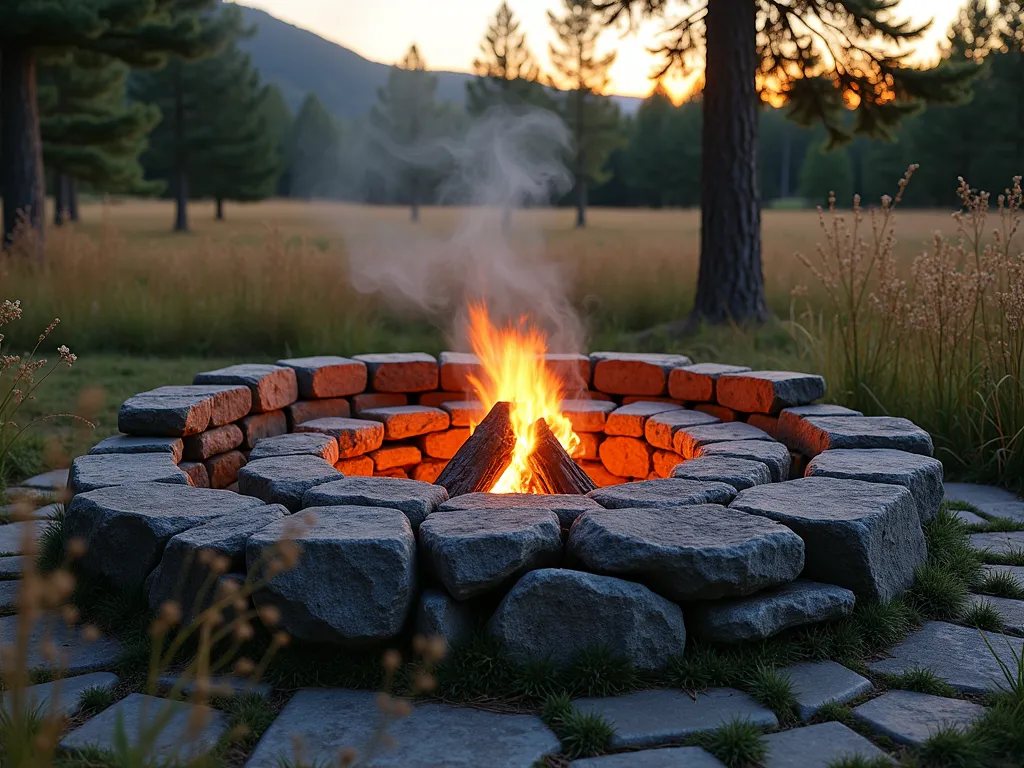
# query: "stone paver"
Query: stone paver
{"points": [[219, 686], [818, 746], [416, 499], [739, 473], [633, 373], [1016, 571], [773, 455], [178, 739], [272, 386], [136, 444], [912, 718], [12, 535], [955, 654], [696, 383], [968, 518], [53, 480], [660, 429], [307, 410], [177, 411], [815, 434], [440, 614], [1011, 611], [297, 444], [355, 436], [789, 419], [102, 470], [75, 654], [567, 507], [284, 479], [664, 493], [816, 683], [687, 441], [10, 566], [327, 376], [988, 499], [653, 718], [668, 757], [61, 697], [768, 391], [326, 721], [8, 594], [1011, 542]]}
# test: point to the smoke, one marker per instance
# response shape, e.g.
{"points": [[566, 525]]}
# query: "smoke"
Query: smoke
{"points": [[504, 161]]}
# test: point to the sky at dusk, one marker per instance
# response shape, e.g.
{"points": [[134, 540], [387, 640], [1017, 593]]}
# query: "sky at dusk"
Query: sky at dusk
{"points": [[448, 32]]}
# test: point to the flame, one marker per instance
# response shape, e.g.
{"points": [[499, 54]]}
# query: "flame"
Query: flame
{"points": [[513, 370]]}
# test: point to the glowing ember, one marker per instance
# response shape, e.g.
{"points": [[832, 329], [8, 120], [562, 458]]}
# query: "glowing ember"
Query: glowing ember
{"points": [[512, 359]]}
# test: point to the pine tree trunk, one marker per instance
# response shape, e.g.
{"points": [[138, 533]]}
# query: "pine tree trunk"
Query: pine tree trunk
{"points": [[60, 198], [581, 162], [730, 286], [22, 183], [220, 209], [72, 199], [180, 160]]}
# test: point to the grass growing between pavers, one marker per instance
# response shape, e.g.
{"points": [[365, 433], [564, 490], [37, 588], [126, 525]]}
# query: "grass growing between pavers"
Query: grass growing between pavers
{"points": [[737, 744], [582, 734]]}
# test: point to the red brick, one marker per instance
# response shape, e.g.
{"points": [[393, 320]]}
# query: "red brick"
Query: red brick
{"points": [[428, 470], [464, 413], [369, 400], [211, 442], [720, 412], [587, 450], [572, 370], [405, 421], [391, 456], [223, 469], [629, 420], [272, 386], [769, 424], [587, 415], [259, 425], [435, 399], [630, 399], [602, 477], [660, 429], [396, 472], [197, 473], [327, 376], [633, 373], [456, 367], [664, 462], [626, 456], [768, 391], [355, 436], [443, 445], [361, 466], [307, 410], [401, 371], [696, 383]]}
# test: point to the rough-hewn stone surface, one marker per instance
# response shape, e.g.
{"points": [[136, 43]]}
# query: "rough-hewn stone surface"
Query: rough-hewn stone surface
{"points": [[687, 441], [661, 428], [653, 718], [440, 614], [415, 499], [912, 718], [767, 613], [272, 386], [401, 371], [428, 470], [101, 470], [789, 419], [629, 420], [567, 507], [772, 455], [863, 536], [196, 472], [633, 373], [767, 424], [626, 456], [739, 473], [768, 391], [75, 654], [814, 434], [921, 475], [1003, 543], [667, 757], [137, 444], [180, 411], [602, 477], [327, 375], [958, 655], [464, 412], [297, 444], [443, 445], [456, 368], [701, 552], [307, 410], [328, 721], [368, 400], [818, 746], [696, 383], [404, 421], [358, 466], [355, 578], [222, 470], [556, 613], [664, 493], [211, 442], [587, 415], [259, 426], [61, 697], [283, 479], [127, 526], [664, 462], [473, 551], [817, 683], [395, 456], [355, 436], [720, 412]]}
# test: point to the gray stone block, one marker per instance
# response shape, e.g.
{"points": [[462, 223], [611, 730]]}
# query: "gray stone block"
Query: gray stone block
{"points": [[863, 536], [634, 373], [1011, 611], [220, 686], [696, 383], [817, 683], [1003, 543], [355, 436], [688, 441], [178, 738], [556, 614], [629, 420], [912, 718], [102, 470], [126, 527], [354, 580], [668, 757], [10, 566], [138, 444], [958, 655], [211, 442], [272, 386], [53, 480], [654, 718], [475, 551], [401, 371], [921, 475], [739, 473], [60, 698], [968, 518], [414, 498], [75, 655], [767, 613], [283, 479], [768, 391], [327, 375], [438, 614], [297, 444], [660, 429], [567, 507], [815, 434], [818, 746], [790, 418], [308, 410], [9, 594], [326, 721], [701, 552], [180, 411], [773, 455], [13, 535], [663, 493]]}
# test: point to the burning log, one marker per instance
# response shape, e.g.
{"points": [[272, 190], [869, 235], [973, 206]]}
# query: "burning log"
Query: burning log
{"points": [[483, 457], [553, 469]]}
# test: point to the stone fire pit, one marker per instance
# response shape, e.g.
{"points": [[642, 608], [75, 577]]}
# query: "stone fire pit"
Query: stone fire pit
{"points": [[730, 506]]}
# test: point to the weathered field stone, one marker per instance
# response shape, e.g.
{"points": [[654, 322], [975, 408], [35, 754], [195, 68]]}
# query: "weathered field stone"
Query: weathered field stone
{"points": [[739, 473], [327, 376], [355, 579], [272, 386], [464, 412], [815, 434], [307, 410], [660, 428], [474, 551], [355, 436], [589, 446], [368, 400], [404, 421], [567, 507], [394, 456], [173, 730], [401, 372], [819, 746], [629, 420], [1010, 611], [75, 654], [633, 373], [663, 462], [181, 411], [327, 721], [958, 655], [196, 472], [767, 424], [720, 412], [259, 426], [790, 418], [438, 614], [602, 477], [101, 470], [696, 383], [60, 698], [359, 466], [912, 718], [415, 499], [626, 456], [428, 470], [297, 444], [211, 442], [556, 614], [456, 367], [138, 444], [666, 757], [283, 479], [772, 455], [921, 475], [1002, 543], [657, 717], [443, 445], [767, 613], [587, 415], [13, 535], [687, 441], [817, 683], [768, 391], [126, 527], [668, 493], [184, 571], [222, 470], [701, 552]]}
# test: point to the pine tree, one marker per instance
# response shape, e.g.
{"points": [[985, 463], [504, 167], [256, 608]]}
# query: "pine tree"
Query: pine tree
{"points": [[593, 119], [827, 171], [139, 33], [313, 152], [819, 55], [508, 74], [278, 118], [648, 174], [405, 118]]}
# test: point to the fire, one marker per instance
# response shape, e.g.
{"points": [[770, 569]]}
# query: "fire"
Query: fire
{"points": [[512, 359]]}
